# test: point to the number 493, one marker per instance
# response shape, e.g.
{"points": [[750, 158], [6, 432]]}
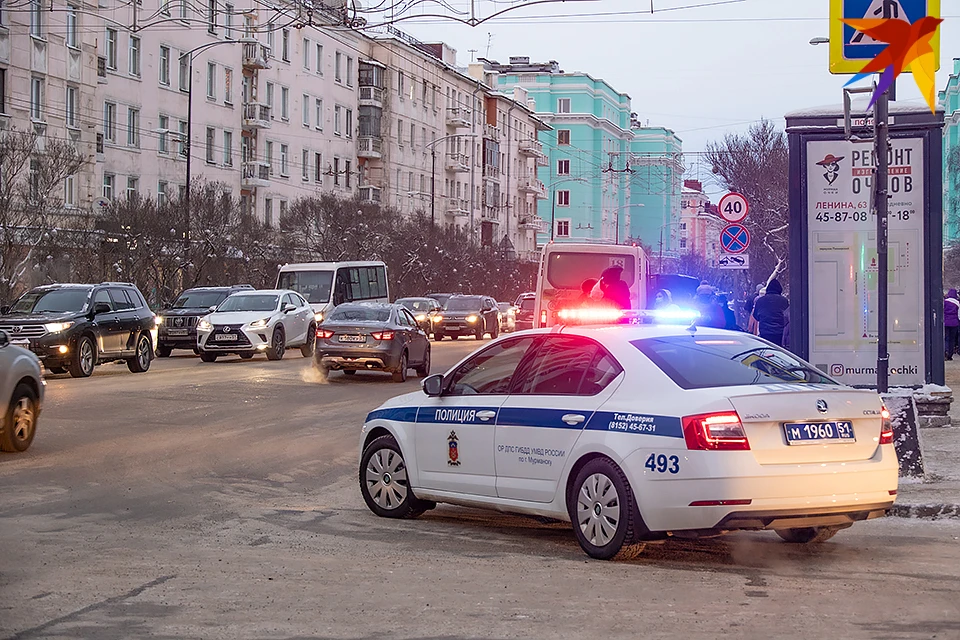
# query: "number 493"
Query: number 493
{"points": [[660, 463]]}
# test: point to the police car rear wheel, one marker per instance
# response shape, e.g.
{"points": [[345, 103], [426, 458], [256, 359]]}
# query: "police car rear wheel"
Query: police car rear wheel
{"points": [[383, 481], [808, 535], [603, 512]]}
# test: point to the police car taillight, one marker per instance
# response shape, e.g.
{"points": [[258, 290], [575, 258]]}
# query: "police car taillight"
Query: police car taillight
{"points": [[324, 334], [382, 335], [543, 318], [886, 427], [715, 432]]}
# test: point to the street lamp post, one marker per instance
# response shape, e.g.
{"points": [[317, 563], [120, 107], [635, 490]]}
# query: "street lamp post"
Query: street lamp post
{"points": [[616, 213], [662, 227], [433, 170], [553, 206]]}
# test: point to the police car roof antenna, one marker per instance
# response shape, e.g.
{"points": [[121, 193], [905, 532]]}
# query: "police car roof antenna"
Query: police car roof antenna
{"points": [[847, 105]]}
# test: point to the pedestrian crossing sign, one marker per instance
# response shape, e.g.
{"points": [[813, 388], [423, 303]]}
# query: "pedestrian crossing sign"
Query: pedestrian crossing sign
{"points": [[851, 50]]}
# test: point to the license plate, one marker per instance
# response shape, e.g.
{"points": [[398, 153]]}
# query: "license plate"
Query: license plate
{"points": [[813, 432], [353, 338], [225, 337], [177, 332]]}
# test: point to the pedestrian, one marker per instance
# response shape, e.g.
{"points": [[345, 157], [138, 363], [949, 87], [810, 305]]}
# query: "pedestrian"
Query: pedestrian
{"points": [[769, 311], [951, 323], [615, 290], [710, 313], [663, 301], [751, 300], [730, 318], [585, 288], [752, 326]]}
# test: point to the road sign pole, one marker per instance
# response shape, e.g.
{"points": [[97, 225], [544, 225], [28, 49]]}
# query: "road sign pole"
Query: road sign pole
{"points": [[881, 117]]}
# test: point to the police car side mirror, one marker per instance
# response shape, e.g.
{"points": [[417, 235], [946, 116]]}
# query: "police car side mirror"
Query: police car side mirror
{"points": [[433, 385]]}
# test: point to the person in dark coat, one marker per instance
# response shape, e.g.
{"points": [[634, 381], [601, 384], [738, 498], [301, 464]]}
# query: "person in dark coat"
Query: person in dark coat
{"points": [[951, 323], [770, 313], [585, 288], [711, 315], [729, 316], [615, 291]]}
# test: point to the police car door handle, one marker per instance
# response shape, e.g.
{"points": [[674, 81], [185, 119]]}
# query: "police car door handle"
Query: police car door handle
{"points": [[573, 418], [486, 415]]}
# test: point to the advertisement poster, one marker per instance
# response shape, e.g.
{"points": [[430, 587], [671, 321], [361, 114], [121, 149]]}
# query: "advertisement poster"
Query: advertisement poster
{"points": [[843, 261]]}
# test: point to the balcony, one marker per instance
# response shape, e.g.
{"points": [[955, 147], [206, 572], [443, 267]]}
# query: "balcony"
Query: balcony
{"points": [[371, 97], [530, 184], [370, 147], [533, 223], [458, 162], [543, 161], [491, 173], [458, 207], [491, 132], [370, 194], [255, 54], [256, 115], [458, 117], [490, 214], [531, 148], [255, 174]]}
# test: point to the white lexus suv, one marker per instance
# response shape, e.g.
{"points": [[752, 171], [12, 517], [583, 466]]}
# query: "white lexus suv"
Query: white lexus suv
{"points": [[263, 321]]}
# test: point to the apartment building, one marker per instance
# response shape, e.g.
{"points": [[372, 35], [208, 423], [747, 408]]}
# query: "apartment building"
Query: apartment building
{"points": [[949, 101], [699, 225]]}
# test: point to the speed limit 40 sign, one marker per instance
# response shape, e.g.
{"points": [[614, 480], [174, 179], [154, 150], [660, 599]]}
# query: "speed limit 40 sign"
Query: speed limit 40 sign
{"points": [[733, 207]]}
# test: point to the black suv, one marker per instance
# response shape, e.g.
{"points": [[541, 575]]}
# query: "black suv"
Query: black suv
{"points": [[178, 324], [74, 327], [468, 315]]}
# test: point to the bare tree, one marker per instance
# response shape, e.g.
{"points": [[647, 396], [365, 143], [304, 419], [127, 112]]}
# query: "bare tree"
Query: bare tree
{"points": [[756, 164]]}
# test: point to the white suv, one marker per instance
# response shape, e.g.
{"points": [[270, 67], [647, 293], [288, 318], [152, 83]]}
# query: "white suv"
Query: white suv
{"points": [[251, 322], [21, 394]]}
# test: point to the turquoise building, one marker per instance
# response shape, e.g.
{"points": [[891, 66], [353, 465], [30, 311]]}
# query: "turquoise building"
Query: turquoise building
{"points": [[950, 103], [607, 178]]}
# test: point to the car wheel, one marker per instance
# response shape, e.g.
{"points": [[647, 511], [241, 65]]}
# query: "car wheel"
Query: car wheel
{"points": [[496, 331], [603, 512], [278, 345], [20, 423], [56, 370], [246, 356], [349, 372], [208, 357], [140, 362], [424, 369], [400, 375], [164, 352], [196, 351], [808, 535], [384, 483], [84, 358], [437, 336], [308, 347]]}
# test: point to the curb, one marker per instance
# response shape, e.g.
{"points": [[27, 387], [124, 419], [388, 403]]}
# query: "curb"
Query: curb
{"points": [[926, 511]]}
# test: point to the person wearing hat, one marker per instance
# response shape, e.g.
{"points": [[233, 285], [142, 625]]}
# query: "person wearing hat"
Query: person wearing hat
{"points": [[615, 291], [831, 167], [770, 313]]}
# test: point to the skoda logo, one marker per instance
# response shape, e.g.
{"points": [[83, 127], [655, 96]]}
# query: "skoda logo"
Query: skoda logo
{"points": [[17, 328], [822, 405]]}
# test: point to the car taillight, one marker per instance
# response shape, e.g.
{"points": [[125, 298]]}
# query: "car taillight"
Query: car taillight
{"points": [[543, 318], [382, 335], [715, 432], [886, 427], [324, 334]]}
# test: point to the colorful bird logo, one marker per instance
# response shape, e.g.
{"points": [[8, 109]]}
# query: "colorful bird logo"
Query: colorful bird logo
{"points": [[908, 45]]}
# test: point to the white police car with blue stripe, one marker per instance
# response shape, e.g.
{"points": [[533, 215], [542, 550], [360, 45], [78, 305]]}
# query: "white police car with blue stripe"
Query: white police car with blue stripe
{"points": [[635, 433]]}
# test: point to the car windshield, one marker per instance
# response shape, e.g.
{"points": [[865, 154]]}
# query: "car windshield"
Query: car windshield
{"points": [[359, 314], [416, 305], [263, 302], [566, 270], [701, 362], [462, 304], [315, 286], [504, 306], [52, 301], [527, 304], [199, 299]]}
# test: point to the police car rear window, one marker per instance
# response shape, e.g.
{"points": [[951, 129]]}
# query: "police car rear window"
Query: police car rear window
{"points": [[703, 362]]}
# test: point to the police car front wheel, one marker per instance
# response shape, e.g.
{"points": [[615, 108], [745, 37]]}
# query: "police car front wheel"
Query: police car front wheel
{"points": [[384, 483], [605, 518]]}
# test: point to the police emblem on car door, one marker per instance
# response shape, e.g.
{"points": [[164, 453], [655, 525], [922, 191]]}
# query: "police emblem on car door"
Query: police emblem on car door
{"points": [[453, 450]]}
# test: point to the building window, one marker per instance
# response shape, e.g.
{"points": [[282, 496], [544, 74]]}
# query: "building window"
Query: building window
{"points": [[338, 67], [228, 21], [563, 136], [183, 9], [563, 228], [413, 133], [133, 187], [133, 127], [70, 106], [306, 110], [268, 212], [336, 172], [400, 133], [72, 21], [228, 148], [305, 165], [318, 168], [228, 86], [337, 110], [185, 72], [283, 209], [284, 103], [211, 140], [109, 121], [212, 16], [285, 46], [346, 172], [184, 139], [306, 54], [36, 18], [161, 192], [284, 160], [683, 243], [270, 98], [3, 90], [349, 71], [268, 155], [134, 61], [563, 198], [163, 137], [70, 191], [563, 105], [271, 43], [318, 107], [319, 59], [111, 49], [211, 81], [109, 181], [400, 83], [165, 65], [348, 123], [563, 167]]}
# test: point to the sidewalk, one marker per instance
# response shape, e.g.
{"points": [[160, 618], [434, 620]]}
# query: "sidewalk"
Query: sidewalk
{"points": [[938, 495]]}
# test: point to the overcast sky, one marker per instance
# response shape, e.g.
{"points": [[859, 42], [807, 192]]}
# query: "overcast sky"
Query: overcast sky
{"points": [[699, 67]]}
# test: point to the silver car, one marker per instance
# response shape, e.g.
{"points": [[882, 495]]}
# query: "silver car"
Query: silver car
{"points": [[21, 395]]}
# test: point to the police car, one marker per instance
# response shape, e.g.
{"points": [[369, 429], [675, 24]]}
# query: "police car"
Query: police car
{"points": [[635, 433]]}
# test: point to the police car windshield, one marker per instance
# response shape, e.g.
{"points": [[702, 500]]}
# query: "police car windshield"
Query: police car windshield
{"points": [[249, 303], [702, 362], [462, 304], [359, 314], [199, 299], [569, 270], [416, 305], [315, 286], [53, 301]]}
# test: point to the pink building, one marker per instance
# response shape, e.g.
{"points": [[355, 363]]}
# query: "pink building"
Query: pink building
{"points": [[700, 225]]}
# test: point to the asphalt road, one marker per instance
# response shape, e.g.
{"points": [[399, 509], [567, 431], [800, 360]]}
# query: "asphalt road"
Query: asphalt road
{"points": [[220, 501]]}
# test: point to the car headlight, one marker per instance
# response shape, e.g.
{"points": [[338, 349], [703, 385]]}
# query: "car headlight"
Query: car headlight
{"points": [[438, 318], [204, 324], [318, 316], [421, 317], [158, 320], [260, 323], [57, 327], [471, 318]]}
